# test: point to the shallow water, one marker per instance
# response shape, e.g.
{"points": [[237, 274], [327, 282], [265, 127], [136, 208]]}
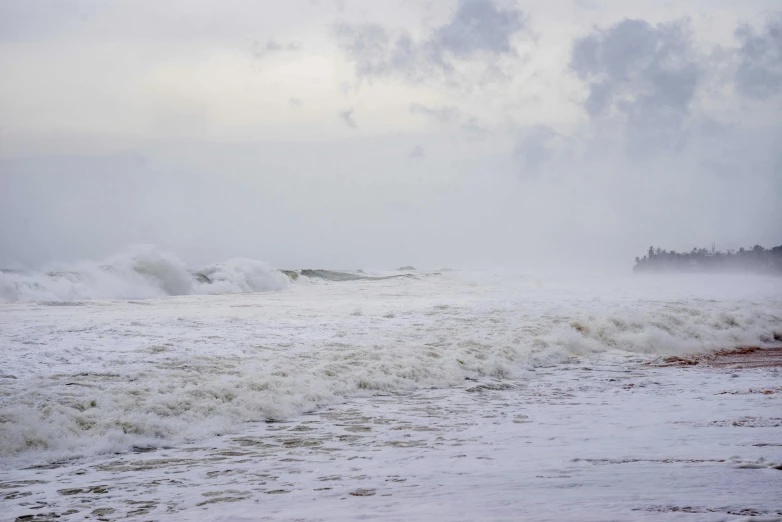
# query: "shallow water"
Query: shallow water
{"points": [[614, 440]]}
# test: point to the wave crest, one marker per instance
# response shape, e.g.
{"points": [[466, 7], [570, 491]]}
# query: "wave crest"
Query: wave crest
{"points": [[140, 272]]}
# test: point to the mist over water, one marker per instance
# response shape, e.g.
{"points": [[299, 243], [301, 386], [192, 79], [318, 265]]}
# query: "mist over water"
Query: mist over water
{"points": [[294, 254], [114, 374], [361, 206], [138, 273]]}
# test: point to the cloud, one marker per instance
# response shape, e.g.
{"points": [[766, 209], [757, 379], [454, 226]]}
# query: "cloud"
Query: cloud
{"points": [[589, 5], [692, 101], [417, 152], [534, 147], [347, 117], [647, 74], [478, 28], [448, 115], [759, 74], [475, 129], [478, 25], [25, 21], [376, 53], [273, 46], [444, 114]]}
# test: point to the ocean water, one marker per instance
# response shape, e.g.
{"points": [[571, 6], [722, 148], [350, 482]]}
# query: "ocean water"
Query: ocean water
{"points": [[142, 388]]}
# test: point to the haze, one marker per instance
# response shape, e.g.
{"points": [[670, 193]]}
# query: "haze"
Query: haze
{"points": [[354, 134]]}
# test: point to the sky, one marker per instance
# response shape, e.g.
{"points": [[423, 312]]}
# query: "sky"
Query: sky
{"points": [[348, 133]]}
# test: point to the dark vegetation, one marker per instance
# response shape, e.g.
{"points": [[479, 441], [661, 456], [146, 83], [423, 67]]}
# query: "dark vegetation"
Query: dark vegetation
{"points": [[756, 259]]}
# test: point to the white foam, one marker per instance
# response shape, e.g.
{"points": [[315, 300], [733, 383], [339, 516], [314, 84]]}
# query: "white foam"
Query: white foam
{"points": [[105, 375], [140, 272]]}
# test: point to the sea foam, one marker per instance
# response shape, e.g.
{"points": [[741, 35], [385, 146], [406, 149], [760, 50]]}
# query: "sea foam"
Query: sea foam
{"points": [[105, 376], [140, 272]]}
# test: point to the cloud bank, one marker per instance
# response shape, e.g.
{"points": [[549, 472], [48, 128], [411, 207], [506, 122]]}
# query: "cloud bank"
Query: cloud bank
{"points": [[452, 133]]}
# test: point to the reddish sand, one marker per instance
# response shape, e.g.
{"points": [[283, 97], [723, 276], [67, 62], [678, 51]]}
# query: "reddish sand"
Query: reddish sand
{"points": [[748, 357]]}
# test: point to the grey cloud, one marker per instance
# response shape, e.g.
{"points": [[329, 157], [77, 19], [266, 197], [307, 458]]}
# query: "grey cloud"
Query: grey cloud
{"points": [[444, 114], [589, 5], [417, 152], [475, 129], [647, 73], [600, 98], [376, 53], [294, 102], [534, 147], [478, 27], [334, 198], [759, 74], [273, 46], [347, 117], [32, 20], [452, 116]]}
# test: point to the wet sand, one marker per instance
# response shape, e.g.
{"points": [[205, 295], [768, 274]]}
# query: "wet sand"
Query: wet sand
{"points": [[740, 358]]}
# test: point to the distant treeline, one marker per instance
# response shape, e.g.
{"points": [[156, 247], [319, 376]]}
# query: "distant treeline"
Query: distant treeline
{"points": [[756, 259]]}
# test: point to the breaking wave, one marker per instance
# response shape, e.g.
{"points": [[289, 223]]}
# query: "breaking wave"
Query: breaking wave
{"points": [[105, 377], [140, 272]]}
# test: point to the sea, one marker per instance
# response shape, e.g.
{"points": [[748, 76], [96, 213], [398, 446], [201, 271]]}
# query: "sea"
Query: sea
{"points": [[139, 388]]}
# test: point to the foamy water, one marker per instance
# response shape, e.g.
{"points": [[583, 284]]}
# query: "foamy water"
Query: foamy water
{"points": [[83, 379], [141, 272]]}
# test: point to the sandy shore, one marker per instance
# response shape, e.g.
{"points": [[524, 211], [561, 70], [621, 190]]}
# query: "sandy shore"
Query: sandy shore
{"points": [[747, 357]]}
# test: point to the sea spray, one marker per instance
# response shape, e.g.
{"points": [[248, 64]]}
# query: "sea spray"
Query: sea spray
{"points": [[108, 375], [139, 272]]}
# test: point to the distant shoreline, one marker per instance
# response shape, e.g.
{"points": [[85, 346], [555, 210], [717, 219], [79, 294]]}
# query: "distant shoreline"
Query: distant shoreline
{"points": [[755, 260]]}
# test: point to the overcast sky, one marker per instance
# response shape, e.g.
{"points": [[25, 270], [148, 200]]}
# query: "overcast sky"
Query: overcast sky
{"points": [[355, 133]]}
